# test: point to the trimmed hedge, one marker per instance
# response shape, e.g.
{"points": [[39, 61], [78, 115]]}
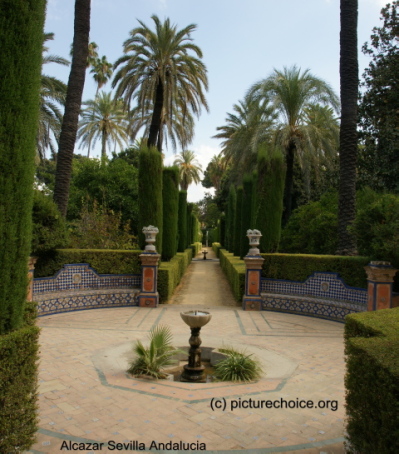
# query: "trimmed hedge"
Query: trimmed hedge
{"points": [[18, 385], [196, 247], [234, 269], [298, 267], [170, 273], [104, 261], [170, 197], [372, 381]]}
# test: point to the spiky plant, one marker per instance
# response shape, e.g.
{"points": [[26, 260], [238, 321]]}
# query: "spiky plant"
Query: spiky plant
{"points": [[238, 366], [150, 360]]}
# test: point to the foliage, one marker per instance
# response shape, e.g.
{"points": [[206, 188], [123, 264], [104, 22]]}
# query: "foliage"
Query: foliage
{"points": [[238, 219], [170, 197], [234, 269], [231, 219], [150, 194], [18, 385], [298, 267], [270, 192], [246, 212], [170, 273], [379, 106], [162, 70], [104, 261], [182, 222], [49, 227], [103, 118], [21, 36], [99, 228], [372, 381], [208, 211], [214, 172], [189, 169], [150, 360], [113, 186], [238, 366]]}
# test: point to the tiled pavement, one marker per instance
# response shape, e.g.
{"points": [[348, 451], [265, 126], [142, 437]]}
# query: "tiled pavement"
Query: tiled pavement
{"points": [[86, 396]]}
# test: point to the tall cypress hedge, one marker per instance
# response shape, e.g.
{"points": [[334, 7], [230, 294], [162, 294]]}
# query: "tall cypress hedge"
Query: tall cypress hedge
{"points": [[150, 194], [182, 222], [231, 218], [238, 231], [21, 37], [190, 207], [246, 212], [270, 193], [170, 196]]}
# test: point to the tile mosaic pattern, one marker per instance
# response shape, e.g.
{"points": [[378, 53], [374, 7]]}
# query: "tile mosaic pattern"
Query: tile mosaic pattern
{"points": [[322, 295], [82, 277], [78, 287]]}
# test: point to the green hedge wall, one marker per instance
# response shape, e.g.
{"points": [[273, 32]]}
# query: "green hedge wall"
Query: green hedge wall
{"points": [[18, 385], [372, 381], [234, 269], [196, 247], [104, 261], [170, 197], [170, 273], [298, 267]]}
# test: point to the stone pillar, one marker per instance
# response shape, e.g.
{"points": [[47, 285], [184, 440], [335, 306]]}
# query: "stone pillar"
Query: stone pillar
{"points": [[149, 296], [380, 278], [252, 300], [31, 272]]}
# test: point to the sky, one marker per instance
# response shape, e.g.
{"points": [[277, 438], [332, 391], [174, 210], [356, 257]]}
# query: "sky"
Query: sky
{"points": [[242, 43]]}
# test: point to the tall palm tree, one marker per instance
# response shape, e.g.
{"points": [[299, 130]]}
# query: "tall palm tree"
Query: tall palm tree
{"points": [[72, 104], [102, 71], [216, 168], [349, 78], [52, 96], [103, 118], [162, 69], [290, 92], [189, 168]]}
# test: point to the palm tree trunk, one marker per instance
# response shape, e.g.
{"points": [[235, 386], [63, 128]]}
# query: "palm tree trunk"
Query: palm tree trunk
{"points": [[289, 182], [348, 132], [72, 104], [103, 147], [156, 117]]}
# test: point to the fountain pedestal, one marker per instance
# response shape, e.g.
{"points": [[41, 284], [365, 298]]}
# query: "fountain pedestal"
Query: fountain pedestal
{"points": [[194, 371]]}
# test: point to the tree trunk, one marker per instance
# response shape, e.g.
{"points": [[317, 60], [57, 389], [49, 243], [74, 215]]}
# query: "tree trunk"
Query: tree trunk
{"points": [[103, 147], [348, 132], [72, 104], [155, 127], [289, 182]]}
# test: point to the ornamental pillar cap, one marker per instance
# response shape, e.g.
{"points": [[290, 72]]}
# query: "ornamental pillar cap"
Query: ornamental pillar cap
{"points": [[254, 239], [150, 233]]}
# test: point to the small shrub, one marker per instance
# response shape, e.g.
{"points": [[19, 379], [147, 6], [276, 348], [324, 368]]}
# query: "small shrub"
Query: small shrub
{"points": [[150, 360], [237, 367]]}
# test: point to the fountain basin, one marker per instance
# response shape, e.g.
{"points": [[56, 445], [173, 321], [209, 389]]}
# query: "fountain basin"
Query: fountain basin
{"points": [[196, 319]]}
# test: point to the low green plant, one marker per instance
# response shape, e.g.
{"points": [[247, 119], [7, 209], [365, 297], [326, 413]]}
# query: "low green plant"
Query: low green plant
{"points": [[238, 366], [150, 360]]}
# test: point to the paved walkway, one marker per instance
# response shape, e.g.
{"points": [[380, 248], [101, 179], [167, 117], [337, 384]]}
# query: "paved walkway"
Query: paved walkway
{"points": [[86, 396]]}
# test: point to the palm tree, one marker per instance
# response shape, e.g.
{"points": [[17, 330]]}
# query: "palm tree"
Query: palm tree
{"points": [[103, 118], [102, 71], [290, 92], [72, 104], [249, 126], [52, 95], [162, 71], [216, 168], [348, 70], [189, 168]]}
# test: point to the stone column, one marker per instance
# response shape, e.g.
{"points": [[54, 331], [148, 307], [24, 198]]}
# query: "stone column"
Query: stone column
{"points": [[149, 296], [31, 272], [252, 300], [380, 278]]}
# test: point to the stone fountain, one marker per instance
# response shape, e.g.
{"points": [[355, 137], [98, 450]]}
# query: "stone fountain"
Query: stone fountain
{"points": [[194, 371]]}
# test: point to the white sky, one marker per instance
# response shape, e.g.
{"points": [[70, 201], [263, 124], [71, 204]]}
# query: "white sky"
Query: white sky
{"points": [[242, 42]]}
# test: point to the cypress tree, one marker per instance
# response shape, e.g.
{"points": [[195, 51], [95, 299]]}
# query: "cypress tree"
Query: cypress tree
{"points": [[170, 197], [222, 230], [150, 194], [238, 235], [231, 212], [190, 207], [246, 212], [21, 36], [182, 222], [270, 193]]}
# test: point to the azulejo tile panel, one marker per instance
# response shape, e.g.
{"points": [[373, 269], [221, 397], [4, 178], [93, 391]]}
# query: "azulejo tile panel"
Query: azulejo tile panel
{"points": [[78, 287]]}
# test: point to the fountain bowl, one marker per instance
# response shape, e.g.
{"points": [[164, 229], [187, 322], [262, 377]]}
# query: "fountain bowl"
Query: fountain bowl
{"points": [[196, 319]]}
